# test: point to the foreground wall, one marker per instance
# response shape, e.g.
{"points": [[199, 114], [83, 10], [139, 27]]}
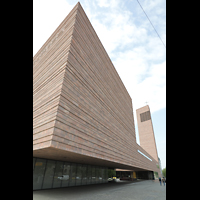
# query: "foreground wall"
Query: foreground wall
{"points": [[82, 110]]}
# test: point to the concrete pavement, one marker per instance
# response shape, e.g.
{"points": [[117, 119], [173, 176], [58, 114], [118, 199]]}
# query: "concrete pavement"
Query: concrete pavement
{"points": [[123, 190]]}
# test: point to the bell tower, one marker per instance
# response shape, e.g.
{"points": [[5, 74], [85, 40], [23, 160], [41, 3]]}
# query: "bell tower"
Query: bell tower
{"points": [[146, 133]]}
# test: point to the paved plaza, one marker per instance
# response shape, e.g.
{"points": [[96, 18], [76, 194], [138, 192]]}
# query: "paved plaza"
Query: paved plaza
{"points": [[123, 190]]}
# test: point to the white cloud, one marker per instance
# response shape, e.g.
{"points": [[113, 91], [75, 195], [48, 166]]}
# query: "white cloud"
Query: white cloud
{"points": [[103, 3], [108, 3], [155, 6], [143, 81]]}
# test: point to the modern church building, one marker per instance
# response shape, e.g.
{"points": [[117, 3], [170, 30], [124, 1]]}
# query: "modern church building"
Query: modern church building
{"points": [[83, 121]]}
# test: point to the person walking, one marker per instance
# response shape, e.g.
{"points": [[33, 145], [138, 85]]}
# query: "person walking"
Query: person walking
{"points": [[163, 180], [160, 181]]}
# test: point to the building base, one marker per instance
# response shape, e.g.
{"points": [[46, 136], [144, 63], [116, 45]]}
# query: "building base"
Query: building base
{"points": [[49, 174]]}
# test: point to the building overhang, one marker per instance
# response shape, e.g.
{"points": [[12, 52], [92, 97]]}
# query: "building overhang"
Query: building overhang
{"points": [[63, 155]]}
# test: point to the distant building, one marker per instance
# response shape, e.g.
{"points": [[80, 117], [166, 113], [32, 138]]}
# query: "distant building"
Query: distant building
{"points": [[146, 132], [82, 113]]}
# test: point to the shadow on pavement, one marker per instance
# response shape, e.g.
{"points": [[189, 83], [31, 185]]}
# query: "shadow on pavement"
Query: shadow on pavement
{"points": [[87, 188]]}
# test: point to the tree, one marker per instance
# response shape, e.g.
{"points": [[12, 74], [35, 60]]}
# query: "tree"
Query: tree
{"points": [[164, 172], [111, 173], [156, 174]]}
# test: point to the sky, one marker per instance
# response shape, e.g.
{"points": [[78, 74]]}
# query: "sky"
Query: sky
{"points": [[132, 44]]}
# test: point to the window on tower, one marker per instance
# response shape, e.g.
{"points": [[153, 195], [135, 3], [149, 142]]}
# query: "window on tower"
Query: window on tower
{"points": [[145, 116]]}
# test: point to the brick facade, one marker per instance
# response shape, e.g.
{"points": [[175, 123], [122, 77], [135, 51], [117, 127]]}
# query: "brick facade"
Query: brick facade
{"points": [[82, 110]]}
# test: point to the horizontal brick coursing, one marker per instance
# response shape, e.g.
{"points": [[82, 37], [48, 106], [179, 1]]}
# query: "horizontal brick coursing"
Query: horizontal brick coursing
{"points": [[48, 73], [82, 109]]}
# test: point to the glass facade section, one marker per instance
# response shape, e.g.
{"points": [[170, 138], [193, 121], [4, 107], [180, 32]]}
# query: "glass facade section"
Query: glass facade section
{"points": [[55, 174], [103, 175], [38, 173], [34, 162], [98, 174], [66, 174], [73, 175], [84, 175], [79, 175], [93, 174], [58, 174], [106, 174], [49, 173], [89, 175]]}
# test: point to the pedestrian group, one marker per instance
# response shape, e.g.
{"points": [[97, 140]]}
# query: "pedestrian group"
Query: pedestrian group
{"points": [[163, 180]]}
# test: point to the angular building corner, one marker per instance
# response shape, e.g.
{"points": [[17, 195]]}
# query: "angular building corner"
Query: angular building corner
{"points": [[49, 66], [82, 112]]}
